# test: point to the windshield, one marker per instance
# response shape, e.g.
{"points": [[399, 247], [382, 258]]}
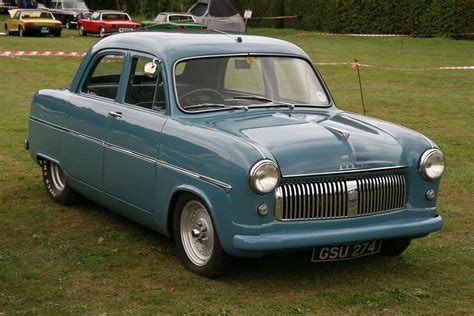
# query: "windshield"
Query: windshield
{"points": [[75, 5], [250, 81], [36, 15]]}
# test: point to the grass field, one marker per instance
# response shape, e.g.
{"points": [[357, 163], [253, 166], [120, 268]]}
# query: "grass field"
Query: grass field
{"points": [[87, 259]]}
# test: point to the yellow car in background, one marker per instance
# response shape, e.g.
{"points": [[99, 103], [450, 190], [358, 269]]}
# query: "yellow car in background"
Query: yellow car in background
{"points": [[26, 22]]}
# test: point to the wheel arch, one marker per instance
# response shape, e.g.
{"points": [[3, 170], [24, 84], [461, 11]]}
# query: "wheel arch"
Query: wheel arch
{"points": [[177, 193]]}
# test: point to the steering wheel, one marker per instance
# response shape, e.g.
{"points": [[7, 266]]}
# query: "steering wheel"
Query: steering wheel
{"points": [[200, 96]]}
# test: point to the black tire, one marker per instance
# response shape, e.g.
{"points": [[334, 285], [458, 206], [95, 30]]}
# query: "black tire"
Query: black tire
{"points": [[55, 184], [7, 31], [57, 34], [81, 30], [102, 31], [21, 32], [206, 257], [394, 247]]}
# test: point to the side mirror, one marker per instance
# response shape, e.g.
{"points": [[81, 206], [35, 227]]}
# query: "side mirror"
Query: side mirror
{"points": [[151, 69]]}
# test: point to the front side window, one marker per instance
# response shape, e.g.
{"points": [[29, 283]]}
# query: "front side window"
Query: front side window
{"points": [[95, 16], [104, 78], [142, 90], [160, 18], [217, 83]]}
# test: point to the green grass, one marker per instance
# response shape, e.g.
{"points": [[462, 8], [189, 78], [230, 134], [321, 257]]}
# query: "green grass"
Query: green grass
{"points": [[87, 259]]}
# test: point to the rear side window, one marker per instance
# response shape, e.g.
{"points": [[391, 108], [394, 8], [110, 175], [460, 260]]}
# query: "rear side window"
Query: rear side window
{"points": [[104, 78], [144, 91]]}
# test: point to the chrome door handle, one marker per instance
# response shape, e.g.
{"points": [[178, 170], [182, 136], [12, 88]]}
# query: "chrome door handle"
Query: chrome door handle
{"points": [[115, 114]]}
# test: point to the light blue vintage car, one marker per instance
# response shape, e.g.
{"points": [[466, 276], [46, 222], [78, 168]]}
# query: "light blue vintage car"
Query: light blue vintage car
{"points": [[232, 144]]}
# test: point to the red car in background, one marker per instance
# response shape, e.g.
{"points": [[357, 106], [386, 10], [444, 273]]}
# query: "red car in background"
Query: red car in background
{"points": [[106, 22]]}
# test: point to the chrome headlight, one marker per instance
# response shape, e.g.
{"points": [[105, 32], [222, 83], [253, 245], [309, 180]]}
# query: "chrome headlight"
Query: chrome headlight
{"points": [[264, 176], [432, 164]]}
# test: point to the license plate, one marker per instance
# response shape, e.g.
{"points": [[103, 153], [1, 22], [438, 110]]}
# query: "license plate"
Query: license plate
{"points": [[44, 30], [346, 252], [122, 29]]}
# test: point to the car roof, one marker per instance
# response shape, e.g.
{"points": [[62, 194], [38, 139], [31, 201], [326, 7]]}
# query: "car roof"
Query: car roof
{"points": [[176, 13], [172, 45]]}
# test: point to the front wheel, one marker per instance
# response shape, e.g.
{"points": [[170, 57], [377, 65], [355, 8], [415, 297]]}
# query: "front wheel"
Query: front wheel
{"points": [[21, 32], [394, 247], [56, 185], [81, 30], [196, 238], [7, 31]]}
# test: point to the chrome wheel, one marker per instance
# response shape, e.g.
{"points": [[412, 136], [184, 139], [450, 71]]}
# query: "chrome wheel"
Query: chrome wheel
{"points": [[102, 32], [81, 30], [57, 177], [21, 31], [7, 31], [197, 232]]}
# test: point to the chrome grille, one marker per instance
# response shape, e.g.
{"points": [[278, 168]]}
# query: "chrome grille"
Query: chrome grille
{"points": [[340, 198]]}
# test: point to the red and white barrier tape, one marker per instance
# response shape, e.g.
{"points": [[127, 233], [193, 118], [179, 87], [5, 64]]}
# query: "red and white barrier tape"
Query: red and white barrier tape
{"points": [[376, 35], [355, 65], [36, 53]]}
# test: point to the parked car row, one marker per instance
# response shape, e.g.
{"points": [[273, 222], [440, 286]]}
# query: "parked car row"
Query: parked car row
{"points": [[30, 21]]}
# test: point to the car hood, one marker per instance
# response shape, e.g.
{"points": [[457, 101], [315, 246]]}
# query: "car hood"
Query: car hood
{"points": [[309, 143]]}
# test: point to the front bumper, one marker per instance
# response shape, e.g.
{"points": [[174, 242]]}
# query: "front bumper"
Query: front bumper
{"points": [[293, 240]]}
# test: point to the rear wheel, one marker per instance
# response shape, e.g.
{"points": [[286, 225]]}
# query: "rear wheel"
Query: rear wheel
{"points": [[56, 185], [196, 238], [81, 30], [57, 34], [7, 31], [68, 24], [102, 31], [394, 247]]}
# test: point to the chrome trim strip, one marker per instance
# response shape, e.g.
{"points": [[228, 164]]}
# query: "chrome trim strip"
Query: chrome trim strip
{"points": [[130, 153], [70, 131], [342, 172], [226, 187]]}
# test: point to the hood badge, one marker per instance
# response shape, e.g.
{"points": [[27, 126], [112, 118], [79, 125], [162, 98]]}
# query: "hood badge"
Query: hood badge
{"points": [[344, 134], [353, 166]]}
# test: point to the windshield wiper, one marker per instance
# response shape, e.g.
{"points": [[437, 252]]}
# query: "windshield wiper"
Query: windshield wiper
{"points": [[264, 99], [217, 105]]}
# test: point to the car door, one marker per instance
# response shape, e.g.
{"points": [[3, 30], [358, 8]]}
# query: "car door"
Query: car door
{"points": [[87, 118], [89, 24], [15, 21], [133, 135]]}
